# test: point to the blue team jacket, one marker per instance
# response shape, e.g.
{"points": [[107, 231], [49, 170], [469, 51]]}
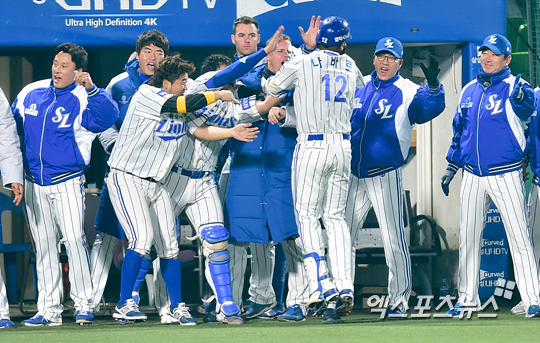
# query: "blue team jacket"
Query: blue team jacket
{"points": [[489, 136], [122, 88], [58, 127], [383, 117], [259, 205]]}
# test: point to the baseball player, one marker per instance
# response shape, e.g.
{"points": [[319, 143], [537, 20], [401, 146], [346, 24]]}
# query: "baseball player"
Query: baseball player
{"points": [[385, 112], [324, 82], [58, 119], [262, 299], [11, 168], [193, 189], [495, 105], [151, 48], [146, 148], [227, 73], [533, 203], [257, 225]]}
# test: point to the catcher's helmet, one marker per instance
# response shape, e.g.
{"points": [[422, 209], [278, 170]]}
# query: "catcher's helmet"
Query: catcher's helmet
{"points": [[333, 31]]}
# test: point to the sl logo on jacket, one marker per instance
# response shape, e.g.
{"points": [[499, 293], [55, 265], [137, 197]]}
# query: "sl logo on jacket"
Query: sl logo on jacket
{"points": [[494, 105], [61, 117], [384, 109], [171, 129]]}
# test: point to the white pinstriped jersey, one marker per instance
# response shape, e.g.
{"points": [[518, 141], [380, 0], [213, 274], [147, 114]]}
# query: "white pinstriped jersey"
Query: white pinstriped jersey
{"points": [[325, 83], [199, 155], [11, 163], [148, 142]]}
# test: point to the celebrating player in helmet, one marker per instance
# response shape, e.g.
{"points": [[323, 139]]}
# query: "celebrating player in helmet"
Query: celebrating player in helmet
{"points": [[324, 82], [253, 213]]}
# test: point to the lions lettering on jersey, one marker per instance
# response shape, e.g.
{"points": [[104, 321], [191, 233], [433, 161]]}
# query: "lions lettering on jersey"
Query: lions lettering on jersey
{"points": [[171, 129], [216, 119], [221, 121]]}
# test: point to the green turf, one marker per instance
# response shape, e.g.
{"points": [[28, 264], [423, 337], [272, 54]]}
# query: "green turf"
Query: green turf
{"points": [[361, 326]]}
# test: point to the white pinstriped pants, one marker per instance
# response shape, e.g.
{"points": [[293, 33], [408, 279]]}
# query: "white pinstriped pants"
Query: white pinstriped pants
{"points": [[262, 271], [145, 212], [320, 183], [56, 213], [200, 199], [533, 207], [101, 256], [4, 306], [508, 193], [385, 194]]}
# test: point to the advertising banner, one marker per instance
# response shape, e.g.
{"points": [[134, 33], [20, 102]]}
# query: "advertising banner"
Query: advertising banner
{"points": [[115, 23], [494, 263]]}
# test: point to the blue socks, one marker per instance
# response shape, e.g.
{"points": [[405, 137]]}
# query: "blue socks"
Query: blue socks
{"points": [[172, 274], [130, 270], [145, 267]]}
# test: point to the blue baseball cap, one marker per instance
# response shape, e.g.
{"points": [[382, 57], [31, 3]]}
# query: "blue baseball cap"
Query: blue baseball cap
{"points": [[391, 45], [499, 44]]}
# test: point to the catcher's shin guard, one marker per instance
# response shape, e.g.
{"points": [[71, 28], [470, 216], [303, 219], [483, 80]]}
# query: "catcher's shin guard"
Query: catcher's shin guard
{"points": [[214, 237], [221, 276], [320, 285]]}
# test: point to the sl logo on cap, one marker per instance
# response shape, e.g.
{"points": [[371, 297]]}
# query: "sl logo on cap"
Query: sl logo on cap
{"points": [[389, 44], [492, 40]]}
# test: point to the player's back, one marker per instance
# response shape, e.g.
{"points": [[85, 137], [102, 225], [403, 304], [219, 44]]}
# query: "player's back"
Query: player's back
{"points": [[324, 94]]}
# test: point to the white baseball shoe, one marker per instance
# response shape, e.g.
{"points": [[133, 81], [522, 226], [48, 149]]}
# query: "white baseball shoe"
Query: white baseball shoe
{"points": [[128, 311], [182, 316], [167, 318], [519, 309]]}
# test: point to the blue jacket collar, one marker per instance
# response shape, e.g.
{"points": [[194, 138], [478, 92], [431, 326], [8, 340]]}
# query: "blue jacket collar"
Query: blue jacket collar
{"points": [[132, 68], [379, 83], [487, 80], [64, 90]]}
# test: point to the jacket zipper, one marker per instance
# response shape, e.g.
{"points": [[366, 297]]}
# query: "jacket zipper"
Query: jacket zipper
{"points": [[477, 130], [42, 134]]}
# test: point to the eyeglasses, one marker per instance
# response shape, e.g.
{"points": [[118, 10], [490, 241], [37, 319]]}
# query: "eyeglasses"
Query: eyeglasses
{"points": [[391, 59]]}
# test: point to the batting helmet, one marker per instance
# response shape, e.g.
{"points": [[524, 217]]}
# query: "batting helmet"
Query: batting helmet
{"points": [[333, 31]]}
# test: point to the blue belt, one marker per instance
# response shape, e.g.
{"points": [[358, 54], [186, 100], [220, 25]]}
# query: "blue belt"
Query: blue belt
{"points": [[320, 137], [189, 173]]}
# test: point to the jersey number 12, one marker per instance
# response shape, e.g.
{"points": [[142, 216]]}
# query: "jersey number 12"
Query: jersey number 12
{"points": [[341, 79]]}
